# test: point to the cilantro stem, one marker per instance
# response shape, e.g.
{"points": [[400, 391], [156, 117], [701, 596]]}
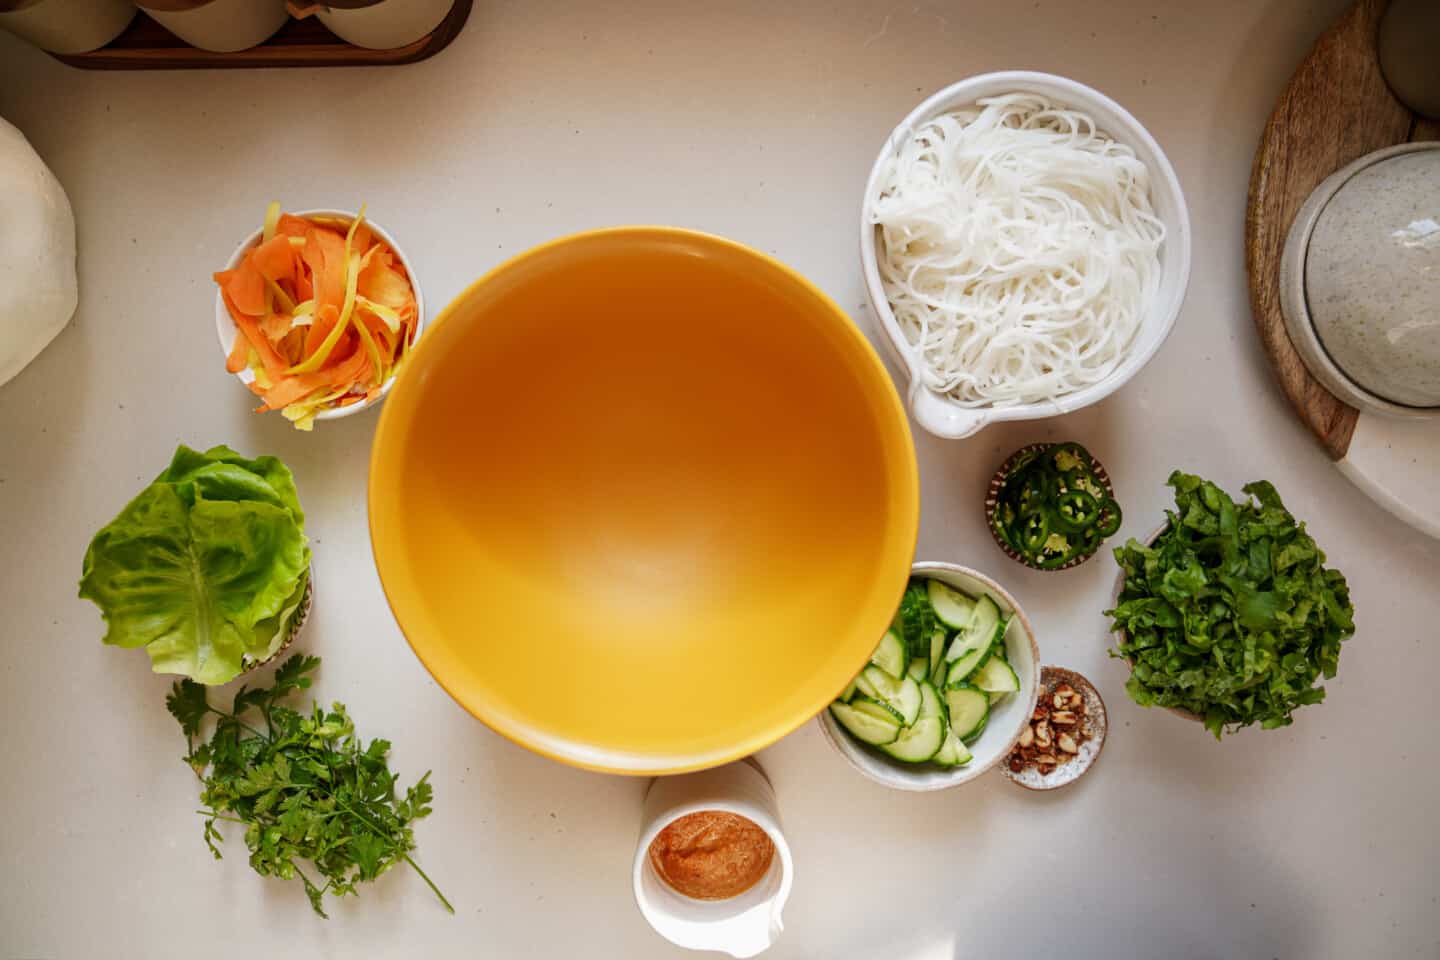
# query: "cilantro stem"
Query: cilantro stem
{"points": [[403, 855], [428, 882], [241, 723], [220, 816]]}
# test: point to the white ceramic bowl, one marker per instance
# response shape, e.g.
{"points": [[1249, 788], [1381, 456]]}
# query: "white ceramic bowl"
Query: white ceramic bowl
{"points": [[1006, 721], [1367, 281], [946, 418], [743, 926], [226, 330]]}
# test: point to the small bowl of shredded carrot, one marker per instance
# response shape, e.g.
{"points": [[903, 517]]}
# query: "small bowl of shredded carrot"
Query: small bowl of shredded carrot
{"points": [[316, 312]]}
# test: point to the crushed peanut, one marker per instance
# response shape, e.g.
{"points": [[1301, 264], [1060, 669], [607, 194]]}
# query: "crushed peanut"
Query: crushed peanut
{"points": [[1056, 730]]}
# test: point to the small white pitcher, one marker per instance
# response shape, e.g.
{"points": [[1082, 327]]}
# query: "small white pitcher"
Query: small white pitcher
{"points": [[742, 926]]}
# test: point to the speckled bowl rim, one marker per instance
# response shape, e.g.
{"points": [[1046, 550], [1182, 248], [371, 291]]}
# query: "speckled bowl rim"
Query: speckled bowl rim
{"points": [[1089, 691], [992, 503], [1294, 306]]}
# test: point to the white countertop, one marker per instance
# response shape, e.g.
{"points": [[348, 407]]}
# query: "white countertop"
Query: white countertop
{"points": [[759, 121]]}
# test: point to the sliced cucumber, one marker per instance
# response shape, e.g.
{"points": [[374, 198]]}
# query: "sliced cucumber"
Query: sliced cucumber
{"points": [[937, 654], [919, 743], [890, 655], [1002, 647], [980, 632], [919, 670], [969, 709], [847, 693], [902, 694], [930, 703], [961, 670], [865, 727], [953, 608], [995, 676], [876, 708], [953, 752], [996, 697]]}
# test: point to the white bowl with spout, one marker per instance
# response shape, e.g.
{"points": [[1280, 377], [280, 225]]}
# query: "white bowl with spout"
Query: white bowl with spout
{"points": [[939, 414]]}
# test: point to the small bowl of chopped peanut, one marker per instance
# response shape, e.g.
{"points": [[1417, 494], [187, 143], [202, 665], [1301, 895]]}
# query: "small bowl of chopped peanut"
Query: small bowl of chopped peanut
{"points": [[1065, 734]]}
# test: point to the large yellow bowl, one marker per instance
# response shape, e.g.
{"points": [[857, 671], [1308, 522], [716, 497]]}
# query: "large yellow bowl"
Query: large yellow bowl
{"points": [[643, 500]]}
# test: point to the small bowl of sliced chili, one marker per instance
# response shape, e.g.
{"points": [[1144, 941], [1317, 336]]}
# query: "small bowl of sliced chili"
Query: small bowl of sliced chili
{"points": [[1051, 505]]}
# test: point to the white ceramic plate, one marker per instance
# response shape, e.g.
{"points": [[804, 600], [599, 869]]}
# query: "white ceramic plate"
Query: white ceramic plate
{"points": [[1396, 463], [1007, 718]]}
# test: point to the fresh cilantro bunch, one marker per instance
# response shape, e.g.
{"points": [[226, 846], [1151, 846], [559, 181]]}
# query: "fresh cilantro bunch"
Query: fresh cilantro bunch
{"points": [[1231, 614], [304, 787]]}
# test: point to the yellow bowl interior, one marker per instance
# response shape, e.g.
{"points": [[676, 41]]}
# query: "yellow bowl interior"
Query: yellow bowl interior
{"points": [[643, 500]]}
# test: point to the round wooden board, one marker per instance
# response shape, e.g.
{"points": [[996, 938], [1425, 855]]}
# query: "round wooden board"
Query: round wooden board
{"points": [[1336, 109]]}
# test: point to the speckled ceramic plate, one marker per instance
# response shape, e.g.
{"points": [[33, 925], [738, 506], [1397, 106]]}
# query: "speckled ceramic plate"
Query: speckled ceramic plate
{"points": [[1095, 726]]}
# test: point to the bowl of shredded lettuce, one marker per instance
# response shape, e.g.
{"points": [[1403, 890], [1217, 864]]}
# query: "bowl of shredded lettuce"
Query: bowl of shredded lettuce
{"points": [[1228, 613], [207, 568]]}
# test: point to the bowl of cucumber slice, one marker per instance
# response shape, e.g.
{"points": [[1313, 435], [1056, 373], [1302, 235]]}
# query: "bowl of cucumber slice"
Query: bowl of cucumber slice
{"points": [[949, 688]]}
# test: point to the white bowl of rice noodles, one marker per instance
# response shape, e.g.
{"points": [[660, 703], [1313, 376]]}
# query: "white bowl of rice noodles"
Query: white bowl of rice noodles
{"points": [[1026, 248]]}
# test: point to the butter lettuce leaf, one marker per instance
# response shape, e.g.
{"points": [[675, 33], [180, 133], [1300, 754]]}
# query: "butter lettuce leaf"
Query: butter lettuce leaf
{"points": [[206, 568]]}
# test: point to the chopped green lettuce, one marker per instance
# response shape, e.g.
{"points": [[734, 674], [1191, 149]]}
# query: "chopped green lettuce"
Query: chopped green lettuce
{"points": [[1231, 614], [206, 568]]}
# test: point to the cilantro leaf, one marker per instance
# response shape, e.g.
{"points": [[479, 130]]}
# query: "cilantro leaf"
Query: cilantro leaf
{"points": [[187, 704], [292, 675], [311, 797], [246, 698]]}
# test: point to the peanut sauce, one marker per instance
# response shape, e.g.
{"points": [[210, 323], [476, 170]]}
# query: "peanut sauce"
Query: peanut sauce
{"points": [[712, 855]]}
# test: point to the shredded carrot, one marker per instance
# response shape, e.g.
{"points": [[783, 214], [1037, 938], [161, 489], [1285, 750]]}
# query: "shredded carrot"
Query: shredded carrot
{"points": [[325, 314]]}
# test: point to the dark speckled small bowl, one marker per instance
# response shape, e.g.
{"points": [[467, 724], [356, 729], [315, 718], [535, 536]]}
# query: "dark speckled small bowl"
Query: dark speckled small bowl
{"points": [[992, 503]]}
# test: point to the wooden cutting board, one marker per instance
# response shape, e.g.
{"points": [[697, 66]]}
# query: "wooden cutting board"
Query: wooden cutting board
{"points": [[1336, 109]]}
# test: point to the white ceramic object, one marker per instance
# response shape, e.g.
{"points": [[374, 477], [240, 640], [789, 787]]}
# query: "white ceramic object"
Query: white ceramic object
{"points": [[939, 414], [221, 26], [1360, 277], [1395, 462], [226, 330], [742, 926], [1007, 718], [67, 26], [387, 24], [38, 291]]}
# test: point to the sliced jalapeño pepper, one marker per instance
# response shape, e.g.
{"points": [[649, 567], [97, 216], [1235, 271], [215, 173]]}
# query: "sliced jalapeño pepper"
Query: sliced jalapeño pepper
{"points": [[1049, 560], [1068, 457], [1110, 517], [1034, 531], [1076, 510], [1052, 507]]}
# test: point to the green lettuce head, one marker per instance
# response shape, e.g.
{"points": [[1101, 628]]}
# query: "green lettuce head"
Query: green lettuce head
{"points": [[206, 568]]}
